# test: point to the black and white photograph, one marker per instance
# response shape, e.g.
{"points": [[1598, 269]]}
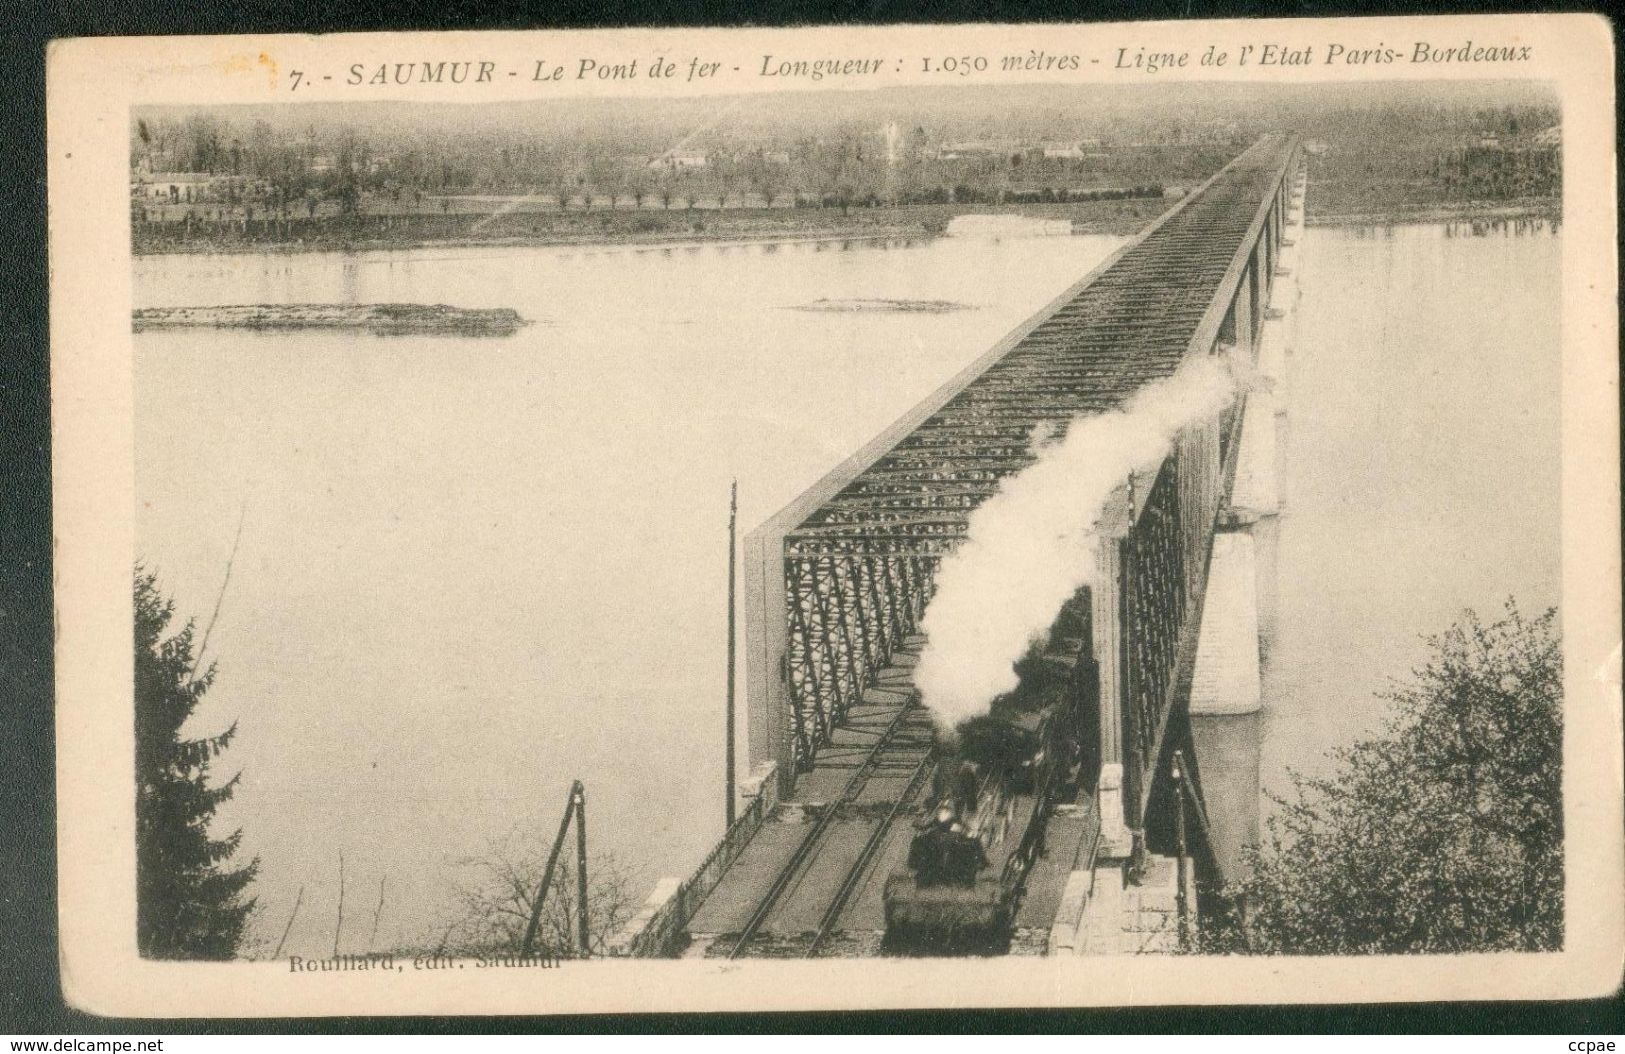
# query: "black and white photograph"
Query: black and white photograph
{"points": [[714, 507]]}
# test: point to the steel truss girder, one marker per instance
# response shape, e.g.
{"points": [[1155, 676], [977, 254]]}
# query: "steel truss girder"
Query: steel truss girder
{"points": [[860, 569]]}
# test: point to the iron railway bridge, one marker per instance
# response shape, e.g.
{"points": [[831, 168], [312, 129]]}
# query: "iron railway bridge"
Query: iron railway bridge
{"points": [[837, 583], [842, 576]]}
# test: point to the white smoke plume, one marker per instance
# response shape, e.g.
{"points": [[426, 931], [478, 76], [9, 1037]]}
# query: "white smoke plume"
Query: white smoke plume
{"points": [[1032, 544]]}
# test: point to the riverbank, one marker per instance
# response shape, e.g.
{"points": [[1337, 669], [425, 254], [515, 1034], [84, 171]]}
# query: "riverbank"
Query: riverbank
{"points": [[362, 233], [1475, 212], [366, 233]]}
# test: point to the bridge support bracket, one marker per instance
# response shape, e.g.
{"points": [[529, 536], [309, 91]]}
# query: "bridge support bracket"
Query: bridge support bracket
{"points": [[763, 782], [1116, 840]]}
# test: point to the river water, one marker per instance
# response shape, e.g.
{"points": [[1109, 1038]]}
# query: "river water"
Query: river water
{"points": [[1421, 470], [472, 570]]}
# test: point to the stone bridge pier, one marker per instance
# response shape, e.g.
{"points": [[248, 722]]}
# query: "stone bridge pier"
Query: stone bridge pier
{"points": [[1239, 618]]}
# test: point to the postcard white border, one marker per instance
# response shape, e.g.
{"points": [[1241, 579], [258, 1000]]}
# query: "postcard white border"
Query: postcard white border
{"points": [[93, 83]]}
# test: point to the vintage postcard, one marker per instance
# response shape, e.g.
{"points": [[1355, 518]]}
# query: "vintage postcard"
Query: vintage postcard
{"points": [[837, 518]]}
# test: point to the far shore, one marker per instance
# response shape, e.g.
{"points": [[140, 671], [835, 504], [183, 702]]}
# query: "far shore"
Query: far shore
{"points": [[541, 239], [1463, 212], [380, 319], [1120, 218], [658, 227]]}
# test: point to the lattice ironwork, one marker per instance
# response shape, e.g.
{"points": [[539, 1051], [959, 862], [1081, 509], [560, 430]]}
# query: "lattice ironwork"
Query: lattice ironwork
{"points": [[848, 611], [860, 569], [1154, 598]]}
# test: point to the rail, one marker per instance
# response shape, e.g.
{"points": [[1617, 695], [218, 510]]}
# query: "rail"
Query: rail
{"points": [[854, 874], [815, 833]]}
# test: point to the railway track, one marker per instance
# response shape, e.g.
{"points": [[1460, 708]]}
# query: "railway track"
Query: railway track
{"points": [[821, 875]]}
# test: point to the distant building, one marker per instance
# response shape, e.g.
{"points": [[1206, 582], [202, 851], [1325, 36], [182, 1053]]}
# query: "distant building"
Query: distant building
{"points": [[961, 151], [1069, 149], [776, 157], [183, 187], [1550, 138], [680, 160], [172, 186]]}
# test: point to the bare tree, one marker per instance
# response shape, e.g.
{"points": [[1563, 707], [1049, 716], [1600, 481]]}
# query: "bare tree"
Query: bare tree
{"points": [[496, 891]]}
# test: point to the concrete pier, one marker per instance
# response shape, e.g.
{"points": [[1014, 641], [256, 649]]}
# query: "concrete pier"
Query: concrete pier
{"points": [[1239, 617], [1225, 700]]}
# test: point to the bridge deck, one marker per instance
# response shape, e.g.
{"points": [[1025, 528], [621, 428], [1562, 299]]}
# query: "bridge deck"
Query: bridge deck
{"points": [[1069, 845]]}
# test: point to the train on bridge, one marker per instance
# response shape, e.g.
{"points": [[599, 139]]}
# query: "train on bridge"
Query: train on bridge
{"points": [[997, 778]]}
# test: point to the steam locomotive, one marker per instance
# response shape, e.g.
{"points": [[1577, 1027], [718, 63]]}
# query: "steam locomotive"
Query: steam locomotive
{"points": [[998, 778]]}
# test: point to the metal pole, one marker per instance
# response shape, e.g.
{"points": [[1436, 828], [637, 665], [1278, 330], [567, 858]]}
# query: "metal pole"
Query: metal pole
{"points": [[547, 872], [581, 867], [1182, 908], [733, 515]]}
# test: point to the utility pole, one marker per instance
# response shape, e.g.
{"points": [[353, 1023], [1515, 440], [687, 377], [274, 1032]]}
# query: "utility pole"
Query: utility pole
{"points": [[1181, 895], [728, 764], [571, 805]]}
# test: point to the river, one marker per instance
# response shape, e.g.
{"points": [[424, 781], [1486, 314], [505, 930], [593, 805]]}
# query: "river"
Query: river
{"points": [[1421, 473], [472, 570]]}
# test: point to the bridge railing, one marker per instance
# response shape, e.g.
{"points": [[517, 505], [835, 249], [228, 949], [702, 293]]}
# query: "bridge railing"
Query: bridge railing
{"points": [[661, 927]]}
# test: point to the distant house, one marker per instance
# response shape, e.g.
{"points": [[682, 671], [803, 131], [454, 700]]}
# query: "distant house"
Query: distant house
{"points": [[961, 151], [173, 186], [1317, 147], [680, 160], [1068, 151], [1551, 138], [776, 157]]}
